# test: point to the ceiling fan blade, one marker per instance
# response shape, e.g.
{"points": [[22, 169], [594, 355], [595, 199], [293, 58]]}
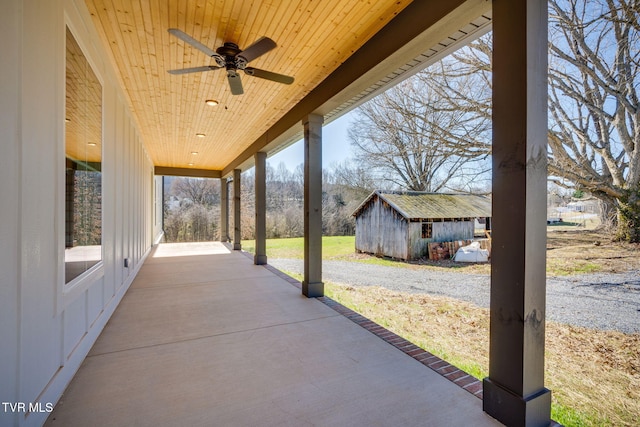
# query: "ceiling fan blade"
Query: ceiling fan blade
{"points": [[234, 82], [269, 75], [193, 69], [195, 43], [260, 47]]}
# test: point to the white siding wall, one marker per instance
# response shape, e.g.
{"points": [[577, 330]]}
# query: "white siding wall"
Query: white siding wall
{"points": [[10, 159], [46, 328]]}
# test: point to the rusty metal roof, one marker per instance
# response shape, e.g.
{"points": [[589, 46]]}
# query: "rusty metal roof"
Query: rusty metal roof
{"points": [[417, 205]]}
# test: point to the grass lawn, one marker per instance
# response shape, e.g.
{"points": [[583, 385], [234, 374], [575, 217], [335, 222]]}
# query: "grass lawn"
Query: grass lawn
{"points": [[343, 248], [333, 247], [568, 252]]}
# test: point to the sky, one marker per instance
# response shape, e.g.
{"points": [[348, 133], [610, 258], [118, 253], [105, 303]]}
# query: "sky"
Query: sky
{"points": [[335, 146]]}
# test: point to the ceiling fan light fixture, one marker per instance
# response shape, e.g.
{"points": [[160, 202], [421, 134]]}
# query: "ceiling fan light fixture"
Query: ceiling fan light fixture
{"points": [[211, 102]]}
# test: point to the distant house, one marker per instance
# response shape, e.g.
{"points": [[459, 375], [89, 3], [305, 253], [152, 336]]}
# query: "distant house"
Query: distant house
{"points": [[402, 224], [585, 205]]}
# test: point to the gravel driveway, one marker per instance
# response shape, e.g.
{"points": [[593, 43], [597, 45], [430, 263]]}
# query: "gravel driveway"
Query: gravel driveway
{"points": [[605, 301]]}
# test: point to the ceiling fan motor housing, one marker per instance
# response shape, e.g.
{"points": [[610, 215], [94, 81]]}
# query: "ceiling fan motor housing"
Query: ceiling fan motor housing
{"points": [[229, 51]]}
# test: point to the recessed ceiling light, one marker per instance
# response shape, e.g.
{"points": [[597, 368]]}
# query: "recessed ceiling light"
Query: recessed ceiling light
{"points": [[194, 152], [200, 135], [67, 120], [211, 102], [91, 144], [190, 164]]}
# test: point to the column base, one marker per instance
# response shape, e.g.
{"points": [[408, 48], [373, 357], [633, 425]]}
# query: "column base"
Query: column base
{"points": [[513, 410], [259, 259], [237, 246], [313, 290]]}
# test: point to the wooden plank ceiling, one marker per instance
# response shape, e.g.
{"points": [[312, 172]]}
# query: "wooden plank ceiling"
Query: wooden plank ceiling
{"points": [[313, 37]]}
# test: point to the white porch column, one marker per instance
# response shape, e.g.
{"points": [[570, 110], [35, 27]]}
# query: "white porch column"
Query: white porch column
{"points": [[312, 285], [236, 210], [260, 256], [514, 392], [224, 210]]}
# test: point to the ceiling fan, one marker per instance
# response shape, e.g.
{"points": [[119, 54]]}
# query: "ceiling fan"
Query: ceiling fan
{"points": [[230, 57]]}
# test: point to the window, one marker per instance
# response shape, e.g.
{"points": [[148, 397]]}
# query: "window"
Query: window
{"points": [[427, 230], [83, 159]]}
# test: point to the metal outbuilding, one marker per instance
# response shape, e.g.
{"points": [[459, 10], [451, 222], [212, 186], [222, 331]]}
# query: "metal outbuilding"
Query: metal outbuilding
{"points": [[402, 224]]}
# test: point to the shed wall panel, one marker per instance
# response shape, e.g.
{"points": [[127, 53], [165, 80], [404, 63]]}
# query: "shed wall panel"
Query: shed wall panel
{"points": [[381, 231], [449, 231], [417, 245]]}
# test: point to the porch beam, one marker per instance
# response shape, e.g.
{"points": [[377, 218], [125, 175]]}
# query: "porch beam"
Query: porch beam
{"points": [[312, 285], [260, 159], [236, 210], [409, 34], [224, 210], [514, 392], [192, 173]]}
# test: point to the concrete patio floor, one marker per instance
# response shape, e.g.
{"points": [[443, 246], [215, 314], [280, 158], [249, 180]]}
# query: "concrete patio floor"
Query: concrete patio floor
{"points": [[205, 338]]}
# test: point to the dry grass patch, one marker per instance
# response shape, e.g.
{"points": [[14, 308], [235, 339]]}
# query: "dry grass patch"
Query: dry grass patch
{"points": [[594, 375], [571, 252], [596, 372]]}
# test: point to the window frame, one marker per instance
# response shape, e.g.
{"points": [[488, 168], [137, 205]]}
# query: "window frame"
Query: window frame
{"points": [[427, 232], [70, 291]]}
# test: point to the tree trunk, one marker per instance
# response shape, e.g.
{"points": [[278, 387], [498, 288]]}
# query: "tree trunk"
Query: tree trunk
{"points": [[608, 213], [629, 217]]}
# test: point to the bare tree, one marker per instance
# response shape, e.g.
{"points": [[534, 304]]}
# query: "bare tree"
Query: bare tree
{"points": [[355, 180], [201, 191], [413, 137], [285, 197], [191, 210], [339, 200], [594, 105]]}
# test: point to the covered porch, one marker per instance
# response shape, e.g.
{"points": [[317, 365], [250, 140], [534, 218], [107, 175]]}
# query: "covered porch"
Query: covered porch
{"points": [[181, 322], [205, 337]]}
